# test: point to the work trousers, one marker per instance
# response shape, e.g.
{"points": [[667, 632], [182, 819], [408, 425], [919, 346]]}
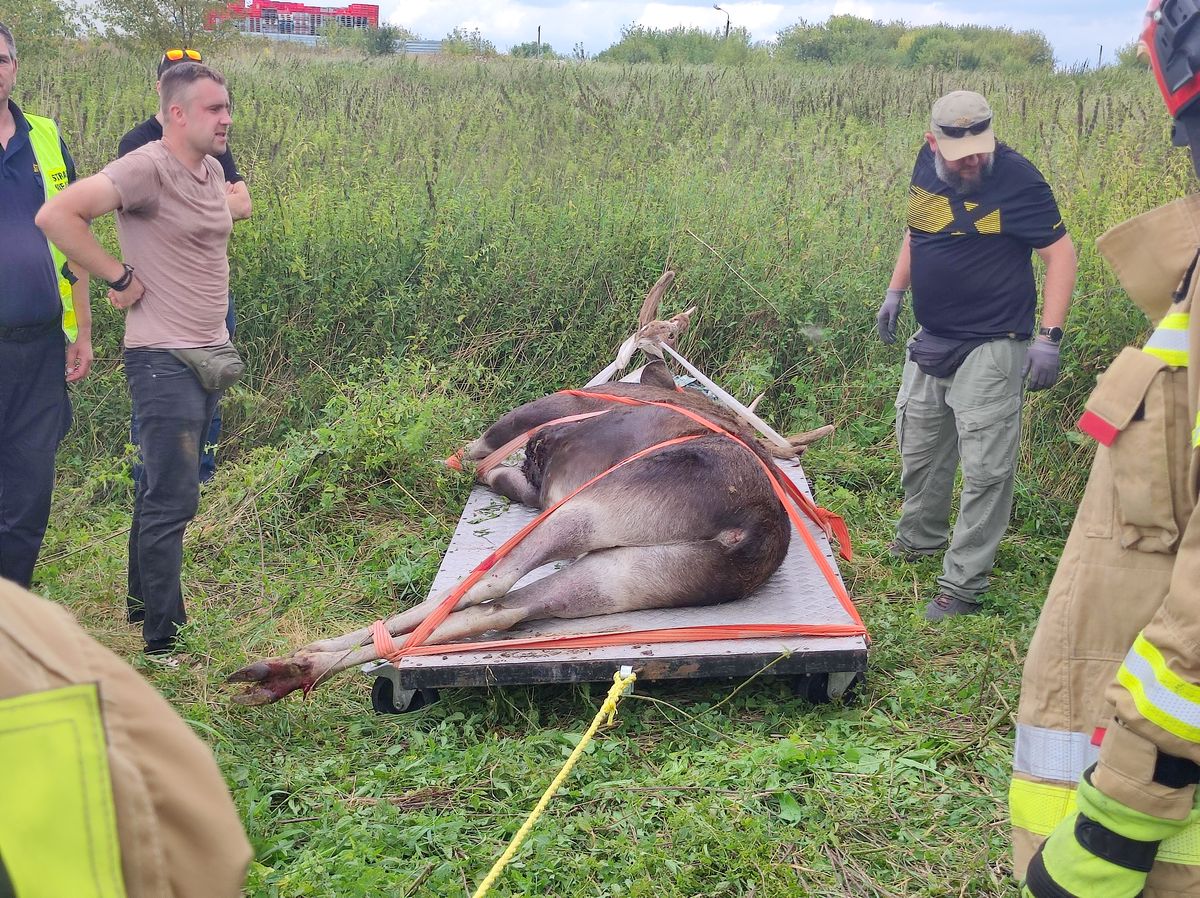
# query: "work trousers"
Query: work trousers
{"points": [[173, 413], [973, 417], [35, 414], [208, 449]]}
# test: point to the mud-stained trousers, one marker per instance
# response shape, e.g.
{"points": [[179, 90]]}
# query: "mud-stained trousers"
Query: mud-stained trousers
{"points": [[173, 412], [973, 416]]}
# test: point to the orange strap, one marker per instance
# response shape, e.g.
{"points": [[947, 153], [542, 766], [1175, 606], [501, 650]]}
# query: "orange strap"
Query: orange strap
{"points": [[519, 442], [784, 490], [386, 647], [832, 524], [383, 640], [780, 484]]}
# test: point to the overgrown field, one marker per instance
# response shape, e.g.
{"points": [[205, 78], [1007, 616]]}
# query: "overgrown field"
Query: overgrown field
{"points": [[432, 242]]}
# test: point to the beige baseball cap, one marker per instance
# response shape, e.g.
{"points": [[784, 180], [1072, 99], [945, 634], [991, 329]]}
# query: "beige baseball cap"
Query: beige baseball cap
{"points": [[962, 124]]}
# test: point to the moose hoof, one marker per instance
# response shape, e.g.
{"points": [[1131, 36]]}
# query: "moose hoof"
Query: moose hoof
{"points": [[272, 680]]}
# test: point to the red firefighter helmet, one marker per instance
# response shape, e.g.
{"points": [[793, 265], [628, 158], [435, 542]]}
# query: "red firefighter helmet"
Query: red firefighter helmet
{"points": [[1172, 39]]}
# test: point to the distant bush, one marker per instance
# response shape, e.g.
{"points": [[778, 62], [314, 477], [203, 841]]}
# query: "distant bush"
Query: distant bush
{"points": [[379, 41], [682, 46], [41, 25], [850, 39], [1129, 58], [461, 42], [533, 50]]}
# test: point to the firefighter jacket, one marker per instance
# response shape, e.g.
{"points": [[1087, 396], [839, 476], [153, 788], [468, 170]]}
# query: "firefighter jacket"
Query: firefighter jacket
{"points": [[105, 792], [1113, 671]]}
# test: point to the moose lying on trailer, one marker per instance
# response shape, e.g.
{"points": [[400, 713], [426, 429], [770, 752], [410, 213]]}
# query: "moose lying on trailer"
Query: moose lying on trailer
{"points": [[644, 488]]}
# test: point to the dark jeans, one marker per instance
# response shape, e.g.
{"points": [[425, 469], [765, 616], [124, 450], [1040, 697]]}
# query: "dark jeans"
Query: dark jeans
{"points": [[173, 413], [208, 449], [35, 414]]}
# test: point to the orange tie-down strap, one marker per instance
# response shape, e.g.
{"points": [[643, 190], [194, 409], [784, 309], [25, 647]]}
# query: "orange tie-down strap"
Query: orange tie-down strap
{"points": [[518, 442], [834, 525], [790, 498]]}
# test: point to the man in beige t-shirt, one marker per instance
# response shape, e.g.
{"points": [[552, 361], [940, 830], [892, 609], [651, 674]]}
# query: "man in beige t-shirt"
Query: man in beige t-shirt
{"points": [[173, 222]]}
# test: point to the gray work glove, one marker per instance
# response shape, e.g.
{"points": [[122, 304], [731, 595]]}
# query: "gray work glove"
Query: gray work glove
{"points": [[889, 313], [1041, 364]]}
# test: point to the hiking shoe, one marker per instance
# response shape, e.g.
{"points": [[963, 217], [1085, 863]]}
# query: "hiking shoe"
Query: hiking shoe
{"points": [[898, 550], [946, 605], [168, 660]]}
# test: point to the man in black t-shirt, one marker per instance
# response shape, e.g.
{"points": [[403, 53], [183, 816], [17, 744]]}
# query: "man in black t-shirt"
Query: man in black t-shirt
{"points": [[977, 211], [238, 197]]}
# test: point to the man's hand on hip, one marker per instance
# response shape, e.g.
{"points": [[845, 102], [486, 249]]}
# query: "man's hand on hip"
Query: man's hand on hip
{"points": [[1041, 364], [123, 299], [889, 313]]}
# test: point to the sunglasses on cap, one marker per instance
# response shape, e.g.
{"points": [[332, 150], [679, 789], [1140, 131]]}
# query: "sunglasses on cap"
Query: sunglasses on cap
{"points": [[953, 131], [177, 54]]}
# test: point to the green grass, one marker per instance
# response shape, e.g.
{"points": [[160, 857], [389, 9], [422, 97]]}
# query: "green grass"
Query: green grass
{"points": [[433, 242]]}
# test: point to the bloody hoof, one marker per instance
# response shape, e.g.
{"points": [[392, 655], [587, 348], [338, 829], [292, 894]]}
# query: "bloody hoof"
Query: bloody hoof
{"points": [[272, 679]]}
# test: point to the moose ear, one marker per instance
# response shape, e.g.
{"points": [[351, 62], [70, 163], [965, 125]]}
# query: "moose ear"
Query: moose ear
{"points": [[650, 307], [684, 319], [656, 374]]}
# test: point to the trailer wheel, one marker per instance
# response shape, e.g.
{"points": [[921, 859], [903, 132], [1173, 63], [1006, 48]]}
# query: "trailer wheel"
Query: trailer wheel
{"points": [[822, 688], [386, 699]]}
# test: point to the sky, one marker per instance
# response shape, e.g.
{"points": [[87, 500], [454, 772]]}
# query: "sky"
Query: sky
{"points": [[1075, 28]]}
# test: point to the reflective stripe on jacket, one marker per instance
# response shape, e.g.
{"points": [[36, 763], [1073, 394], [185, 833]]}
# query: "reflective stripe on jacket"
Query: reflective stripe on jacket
{"points": [[1169, 341], [47, 150]]}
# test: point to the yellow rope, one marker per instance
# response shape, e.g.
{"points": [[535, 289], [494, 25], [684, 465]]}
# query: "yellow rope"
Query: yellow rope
{"points": [[607, 710]]}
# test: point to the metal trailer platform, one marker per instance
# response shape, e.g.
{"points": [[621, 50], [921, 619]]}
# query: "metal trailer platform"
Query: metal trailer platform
{"points": [[797, 593]]}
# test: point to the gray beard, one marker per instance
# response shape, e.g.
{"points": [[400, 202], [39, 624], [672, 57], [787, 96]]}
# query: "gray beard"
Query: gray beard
{"points": [[957, 182]]}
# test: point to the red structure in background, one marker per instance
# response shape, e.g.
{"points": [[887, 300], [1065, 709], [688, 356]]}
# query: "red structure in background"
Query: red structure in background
{"points": [[270, 17]]}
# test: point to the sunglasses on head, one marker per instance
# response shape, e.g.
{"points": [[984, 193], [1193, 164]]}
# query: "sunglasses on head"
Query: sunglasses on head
{"points": [[955, 131], [178, 54]]}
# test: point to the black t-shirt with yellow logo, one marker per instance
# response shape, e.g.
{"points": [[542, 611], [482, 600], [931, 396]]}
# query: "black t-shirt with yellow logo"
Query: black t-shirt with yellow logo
{"points": [[972, 253]]}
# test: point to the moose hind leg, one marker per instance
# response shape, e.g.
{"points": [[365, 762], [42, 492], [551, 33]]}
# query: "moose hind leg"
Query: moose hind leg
{"points": [[569, 532], [608, 581], [512, 483]]}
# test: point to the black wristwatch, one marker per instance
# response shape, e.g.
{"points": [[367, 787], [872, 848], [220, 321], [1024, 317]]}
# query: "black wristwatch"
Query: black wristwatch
{"points": [[123, 282], [1054, 333]]}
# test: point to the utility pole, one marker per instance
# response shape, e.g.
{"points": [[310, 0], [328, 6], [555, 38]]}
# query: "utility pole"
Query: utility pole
{"points": [[539, 42], [718, 9]]}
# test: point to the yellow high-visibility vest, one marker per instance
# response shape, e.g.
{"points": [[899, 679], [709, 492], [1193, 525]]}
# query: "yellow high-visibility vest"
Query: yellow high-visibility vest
{"points": [[58, 823], [47, 152]]}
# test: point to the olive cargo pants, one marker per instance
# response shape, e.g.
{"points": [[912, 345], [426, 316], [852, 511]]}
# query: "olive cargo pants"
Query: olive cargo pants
{"points": [[973, 417]]}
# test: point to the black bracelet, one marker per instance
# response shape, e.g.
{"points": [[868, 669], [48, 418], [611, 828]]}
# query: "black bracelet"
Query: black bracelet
{"points": [[123, 282]]}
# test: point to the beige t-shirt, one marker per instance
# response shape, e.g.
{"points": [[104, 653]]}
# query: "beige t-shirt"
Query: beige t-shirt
{"points": [[174, 230]]}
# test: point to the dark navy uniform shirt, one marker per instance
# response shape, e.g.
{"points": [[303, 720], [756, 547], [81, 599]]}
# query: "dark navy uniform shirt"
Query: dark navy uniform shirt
{"points": [[151, 130], [28, 281], [972, 253]]}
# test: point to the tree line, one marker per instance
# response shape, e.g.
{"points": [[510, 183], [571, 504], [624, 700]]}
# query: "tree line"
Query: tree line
{"points": [[843, 39]]}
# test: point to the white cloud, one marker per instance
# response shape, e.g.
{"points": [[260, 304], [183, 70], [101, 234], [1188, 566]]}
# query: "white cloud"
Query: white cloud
{"points": [[666, 15], [761, 19]]}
